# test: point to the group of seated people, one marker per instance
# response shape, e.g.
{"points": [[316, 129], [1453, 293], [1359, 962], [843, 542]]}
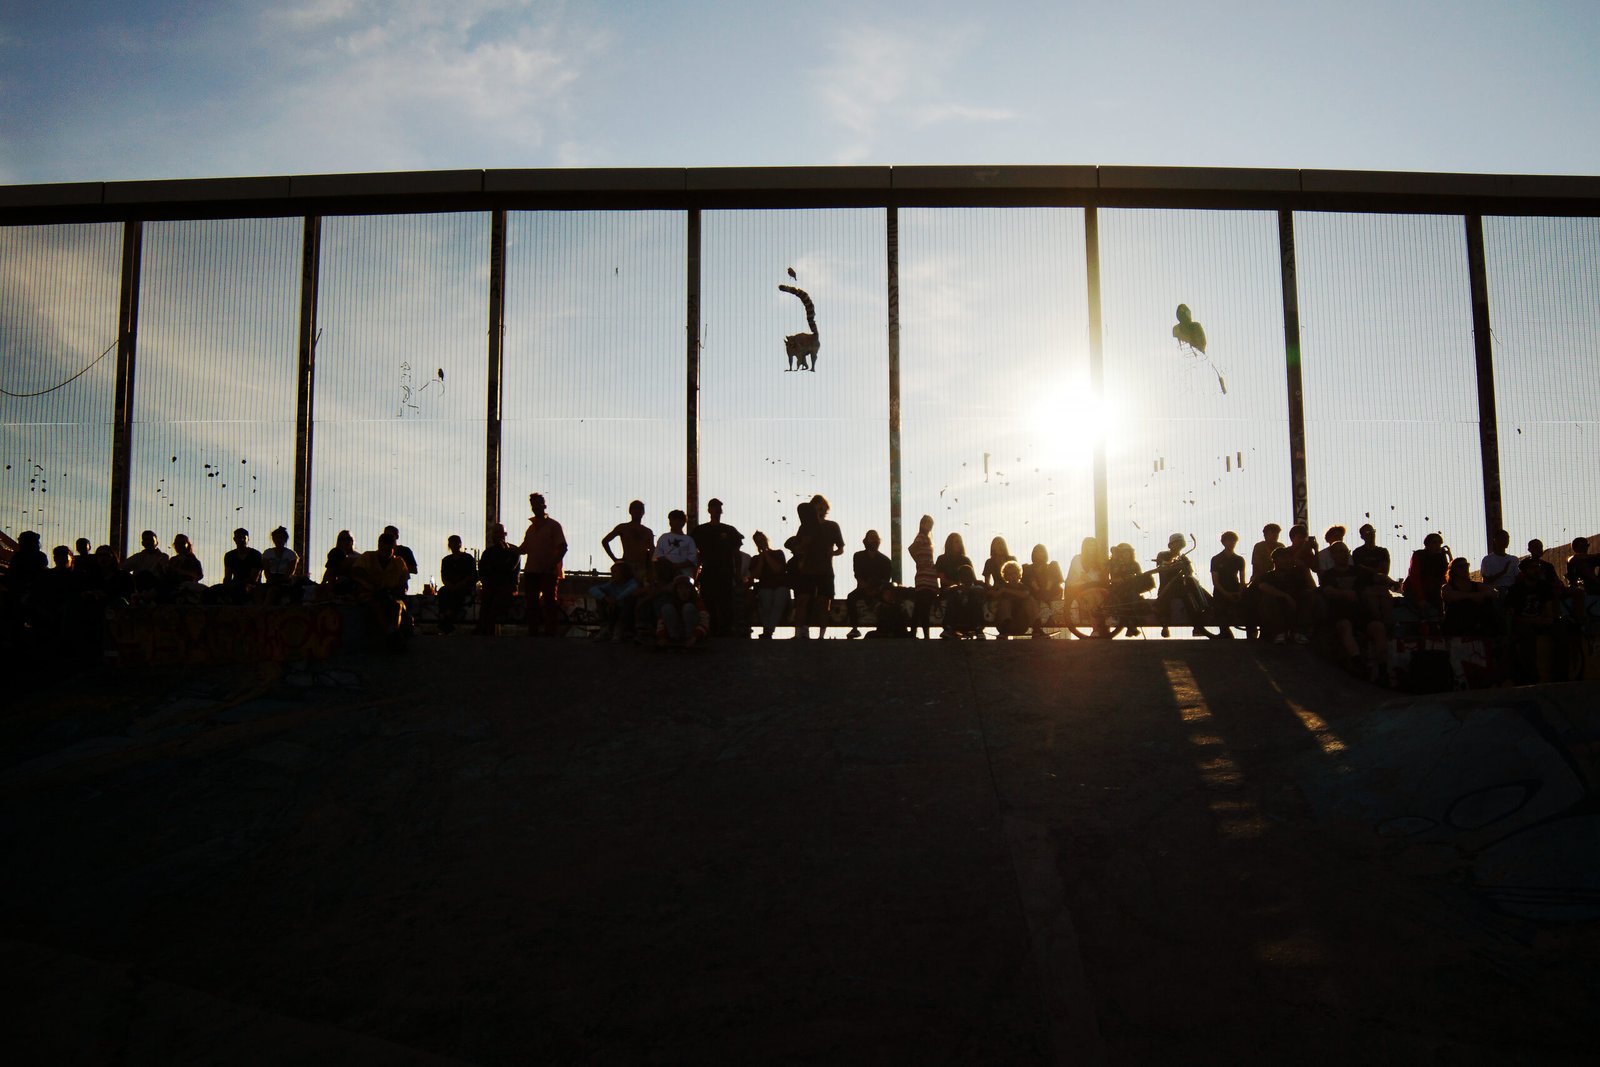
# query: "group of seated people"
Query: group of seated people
{"points": [[691, 584]]}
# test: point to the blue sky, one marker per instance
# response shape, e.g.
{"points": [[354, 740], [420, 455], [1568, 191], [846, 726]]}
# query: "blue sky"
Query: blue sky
{"points": [[159, 88]]}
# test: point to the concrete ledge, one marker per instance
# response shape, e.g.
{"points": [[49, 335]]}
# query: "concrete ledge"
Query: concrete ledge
{"points": [[587, 180], [1404, 183], [402, 183], [1211, 179], [1021, 177], [768, 179], [196, 189], [68, 194]]}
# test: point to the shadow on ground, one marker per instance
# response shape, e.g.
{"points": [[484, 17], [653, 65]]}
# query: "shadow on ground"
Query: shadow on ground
{"points": [[512, 852]]}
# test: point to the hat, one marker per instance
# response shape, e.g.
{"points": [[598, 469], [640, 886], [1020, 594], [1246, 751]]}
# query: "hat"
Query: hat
{"points": [[714, 503]]}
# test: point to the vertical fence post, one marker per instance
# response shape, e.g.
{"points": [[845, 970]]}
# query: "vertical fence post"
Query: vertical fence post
{"points": [[895, 518], [1483, 347], [122, 413], [493, 413], [1291, 354], [305, 389], [692, 369], [1097, 371]]}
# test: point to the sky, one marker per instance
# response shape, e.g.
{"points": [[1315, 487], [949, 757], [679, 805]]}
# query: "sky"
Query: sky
{"points": [[100, 90], [999, 421]]}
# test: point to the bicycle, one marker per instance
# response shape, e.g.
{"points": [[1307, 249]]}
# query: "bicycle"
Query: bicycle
{"points": [[1093, 612]]}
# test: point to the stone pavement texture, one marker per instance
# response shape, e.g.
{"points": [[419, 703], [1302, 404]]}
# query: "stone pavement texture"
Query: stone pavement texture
{"points": [[513, 852]]}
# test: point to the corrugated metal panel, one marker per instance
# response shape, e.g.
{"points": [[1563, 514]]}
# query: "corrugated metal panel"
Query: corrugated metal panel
{"points": [[771, 438], [1544, 307], [1198, 440], [58, 317], [214, 402], [401, 373], [593, 391], [1391, 397], [997, 409]]}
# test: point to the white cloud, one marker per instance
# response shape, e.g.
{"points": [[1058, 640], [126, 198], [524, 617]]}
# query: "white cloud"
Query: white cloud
{"points": [[378, 85], [880, 77]]}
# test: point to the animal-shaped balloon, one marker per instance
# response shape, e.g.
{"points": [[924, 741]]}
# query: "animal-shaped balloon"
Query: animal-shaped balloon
{"points": [[1189, 332]]}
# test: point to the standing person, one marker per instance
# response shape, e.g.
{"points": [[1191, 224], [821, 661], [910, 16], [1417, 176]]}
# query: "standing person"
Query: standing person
{"points": [[1227, 586], [280, 565], [458, 577], [718, 546], [497, 571], [543, 547], [926, 581], [769, 573], [808, 562], [241, 568], [873, 571], [677, 547], [1261, 554], [638, 541], [402, 553], [833, 543], [1499, 567]]}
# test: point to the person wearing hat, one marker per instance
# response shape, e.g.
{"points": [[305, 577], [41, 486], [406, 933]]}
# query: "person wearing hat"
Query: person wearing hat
{"points": [[497, 573], [718, 546]]}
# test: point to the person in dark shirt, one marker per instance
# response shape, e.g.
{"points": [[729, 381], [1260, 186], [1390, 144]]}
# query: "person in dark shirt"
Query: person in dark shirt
{"points": [[1172, 564], [497, 571], [956, 578], [999, 556], [1531, 608], [1468, 605], [1370, 557], [833, 545], [1261, 554], [1227, 586], [769, 574], [458, 579], [1286, 597], [873, 572], [1342, 586], [336, 568], [1425, 579], [718, 545], [241, 569], [1583, 568], [1546, 569], [184, 572]]}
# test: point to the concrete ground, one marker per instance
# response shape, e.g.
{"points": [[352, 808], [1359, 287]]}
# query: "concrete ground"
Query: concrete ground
{"points": [[513, 851]]}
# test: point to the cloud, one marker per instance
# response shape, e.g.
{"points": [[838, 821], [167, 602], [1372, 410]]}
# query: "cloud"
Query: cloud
{"points": [[376, 85], [879, 77]]}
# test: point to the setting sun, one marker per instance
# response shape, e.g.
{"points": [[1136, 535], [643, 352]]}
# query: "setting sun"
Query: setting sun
{"points": [[1068, 421]]}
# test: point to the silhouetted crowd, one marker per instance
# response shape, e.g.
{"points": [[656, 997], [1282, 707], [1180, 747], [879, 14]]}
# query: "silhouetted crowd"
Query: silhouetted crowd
{"points": [[688, 585]]}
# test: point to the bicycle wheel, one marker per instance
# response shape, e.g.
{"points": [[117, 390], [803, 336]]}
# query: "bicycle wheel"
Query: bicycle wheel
{"points": [[1089, 616]]}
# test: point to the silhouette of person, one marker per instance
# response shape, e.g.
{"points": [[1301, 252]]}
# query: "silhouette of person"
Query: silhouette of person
{"points": [[458, 578], [241, 569], [381, 576], [149, 564], [769, 573], [543, 547], [873, 571], [809, 564], [718, 546], [402, 553], [925, 584], [833, 545], [638, 540], [1041, 576], [336, 568], [280, 566], [677, 547], [497, 570], [184, 571]]}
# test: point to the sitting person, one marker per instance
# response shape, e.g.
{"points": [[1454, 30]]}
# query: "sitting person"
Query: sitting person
{"points": [[677, 547], [1286, 598], [956, 577], [1424, 582], [617, 601], [336, 577], [1531, 610], [683, 620], [380, 577], [1012, 617], [1227, 587], [1469, 606], [999, 556], [769, 576], [148, 566], [458, 580], [1172, 565], [280, 566], [241, 570], [1126, 580], [1342, 586], [1042, 578], [1583, 568], [893, 620], [873, 572], [184, 572]]}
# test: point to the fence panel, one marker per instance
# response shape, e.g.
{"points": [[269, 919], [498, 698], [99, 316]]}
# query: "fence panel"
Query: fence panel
{"points": [[769, 437], [1391, 396], [214, 397], [594, 371], [58, 318], [401, 381], [1544, 308], [1199, 438], [999, 420]]}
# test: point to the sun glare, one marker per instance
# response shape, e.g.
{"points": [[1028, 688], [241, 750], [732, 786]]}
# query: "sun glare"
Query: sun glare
{"points": [[1067, 422]]}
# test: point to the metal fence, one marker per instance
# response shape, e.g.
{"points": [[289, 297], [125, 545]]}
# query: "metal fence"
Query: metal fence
{"points": [[997, 350]]}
